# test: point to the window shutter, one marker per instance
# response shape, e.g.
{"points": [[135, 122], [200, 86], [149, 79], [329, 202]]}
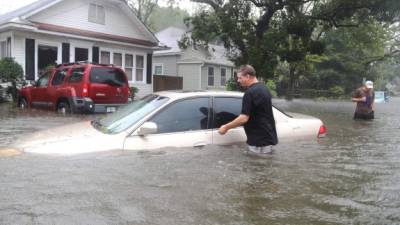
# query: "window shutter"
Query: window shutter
{"points": [[95, 54], [65, 52], [149, 68], [30, 59]]}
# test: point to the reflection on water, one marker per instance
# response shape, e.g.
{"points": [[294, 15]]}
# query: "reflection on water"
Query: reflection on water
{"points": [[350, 177]]}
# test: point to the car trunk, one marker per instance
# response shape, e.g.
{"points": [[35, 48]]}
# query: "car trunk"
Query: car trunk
{"points": [[108, 85]]}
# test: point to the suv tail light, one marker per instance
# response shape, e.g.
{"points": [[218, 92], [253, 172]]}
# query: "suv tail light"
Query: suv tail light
{"points": [[85, 90], [322, 131]]}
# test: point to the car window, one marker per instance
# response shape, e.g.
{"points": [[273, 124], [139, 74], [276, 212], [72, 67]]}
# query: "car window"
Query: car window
{"points": [[185, 115], [43, 80], [59, 77], [111, 76], [129, 115], [76, 75], [225, 110]]}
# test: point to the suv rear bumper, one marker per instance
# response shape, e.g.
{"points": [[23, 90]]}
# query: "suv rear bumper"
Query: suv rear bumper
{"points": [[86, 105]]}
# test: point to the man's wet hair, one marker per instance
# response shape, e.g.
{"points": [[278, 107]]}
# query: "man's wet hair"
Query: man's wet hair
{"points": [[247, 69]]}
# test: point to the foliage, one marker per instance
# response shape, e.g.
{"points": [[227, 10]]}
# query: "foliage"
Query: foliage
{"points": [[232, 85], [134, 91], [10, 71], [336, 91], [163, 17], [143, 8], [349, 52], [269, 32], [270, 84]]}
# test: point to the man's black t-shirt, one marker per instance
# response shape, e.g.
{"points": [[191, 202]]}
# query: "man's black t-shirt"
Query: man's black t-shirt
{"points": [[260, 128]]}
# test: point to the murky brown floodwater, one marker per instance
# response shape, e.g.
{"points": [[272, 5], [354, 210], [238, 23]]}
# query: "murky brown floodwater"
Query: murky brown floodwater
{"points": [[350, 177]]}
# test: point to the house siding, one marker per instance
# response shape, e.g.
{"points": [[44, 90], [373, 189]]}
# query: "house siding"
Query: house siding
{"points": [[191, 76], [144, 89], [19, 50], [74, 14], [193, 54], [169, 64], [217, 76]]}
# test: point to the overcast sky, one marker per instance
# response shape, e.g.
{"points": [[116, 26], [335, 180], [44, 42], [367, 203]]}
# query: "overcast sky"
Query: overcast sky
{"points": [[9, 5]]}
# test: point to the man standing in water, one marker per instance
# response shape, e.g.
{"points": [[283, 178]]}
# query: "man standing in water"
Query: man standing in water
{"points": [[256, 114], [365, 98]]}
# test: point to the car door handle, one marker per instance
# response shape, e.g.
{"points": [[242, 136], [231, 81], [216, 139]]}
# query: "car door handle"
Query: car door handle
{"points": [[199, 144]]}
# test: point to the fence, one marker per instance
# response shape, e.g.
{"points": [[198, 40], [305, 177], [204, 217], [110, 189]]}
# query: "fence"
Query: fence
{"points": [[163, 83]]}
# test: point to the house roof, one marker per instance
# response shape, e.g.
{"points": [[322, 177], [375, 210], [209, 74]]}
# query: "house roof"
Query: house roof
{"points": [[20, 17], [15, 15], [170, 37]]}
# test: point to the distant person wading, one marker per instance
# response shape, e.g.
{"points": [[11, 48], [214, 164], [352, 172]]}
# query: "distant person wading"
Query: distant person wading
{"points": [[365, 99], [256, 115]]}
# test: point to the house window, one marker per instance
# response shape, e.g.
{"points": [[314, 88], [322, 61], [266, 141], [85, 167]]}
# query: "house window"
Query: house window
{"points": [[117, 59], [105, 57], [158, 69], [129, 66], [223, 76], [139, 68], [210, 76], [97, 14], [81, 54]]}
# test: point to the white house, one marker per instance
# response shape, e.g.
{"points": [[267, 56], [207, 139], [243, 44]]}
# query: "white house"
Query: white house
{"points": [[199, 68], [60, 31]]}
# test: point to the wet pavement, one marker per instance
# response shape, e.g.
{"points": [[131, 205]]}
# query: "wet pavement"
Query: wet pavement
{"points": [[350, 177]]}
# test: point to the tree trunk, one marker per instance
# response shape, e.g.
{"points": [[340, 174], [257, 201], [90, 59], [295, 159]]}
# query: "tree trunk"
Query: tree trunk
{"points": [[290, 88]]}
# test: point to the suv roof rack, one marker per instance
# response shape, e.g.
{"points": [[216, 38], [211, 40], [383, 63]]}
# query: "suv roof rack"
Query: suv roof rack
{"points": [[82, 62]]}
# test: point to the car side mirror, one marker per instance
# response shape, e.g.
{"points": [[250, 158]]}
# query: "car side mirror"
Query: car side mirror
{"points": [[147, 128]]}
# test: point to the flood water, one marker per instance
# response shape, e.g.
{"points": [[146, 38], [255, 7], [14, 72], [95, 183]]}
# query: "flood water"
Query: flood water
{"points": [[350, 177]]}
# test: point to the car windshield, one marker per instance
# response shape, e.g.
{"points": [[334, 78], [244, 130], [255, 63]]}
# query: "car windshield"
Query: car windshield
{"points": [[129, 114]]}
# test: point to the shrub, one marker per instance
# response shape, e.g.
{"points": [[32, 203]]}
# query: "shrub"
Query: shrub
{"points": [[11, 71], [232, 85], [133, 91], [271, 87], [336, 91]]}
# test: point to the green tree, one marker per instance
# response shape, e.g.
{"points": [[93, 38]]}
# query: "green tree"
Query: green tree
{"points": [[11, 71], [350, 55], [163, 17], [266, 32]]}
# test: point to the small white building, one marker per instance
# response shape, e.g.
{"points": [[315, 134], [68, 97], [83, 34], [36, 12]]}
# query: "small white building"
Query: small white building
{"points": [[61, 31], [199, 68]]}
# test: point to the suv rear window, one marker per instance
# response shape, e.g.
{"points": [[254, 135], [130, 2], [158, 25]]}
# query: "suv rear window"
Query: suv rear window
{"points": [[111, 76], [76, 75]]}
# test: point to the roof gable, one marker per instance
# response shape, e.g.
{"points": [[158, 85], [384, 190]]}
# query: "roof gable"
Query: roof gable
{"points": [[23, 11]]}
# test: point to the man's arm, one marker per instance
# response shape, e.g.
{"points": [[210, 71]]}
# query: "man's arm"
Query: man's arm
{"points": [[240, 120], [362, 99]]}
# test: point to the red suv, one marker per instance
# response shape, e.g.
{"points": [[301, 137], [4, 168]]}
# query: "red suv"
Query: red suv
{"points": [[78, 87]]}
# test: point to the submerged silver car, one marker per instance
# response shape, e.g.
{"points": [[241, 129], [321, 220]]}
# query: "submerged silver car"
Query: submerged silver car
{"points": [[165, 119]]}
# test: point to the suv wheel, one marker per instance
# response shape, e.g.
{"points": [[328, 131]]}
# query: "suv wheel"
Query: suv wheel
{"points": [[23, 104], [63, 108]]}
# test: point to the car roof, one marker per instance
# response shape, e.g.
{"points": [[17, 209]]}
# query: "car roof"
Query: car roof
{"points": [[179, 94]]}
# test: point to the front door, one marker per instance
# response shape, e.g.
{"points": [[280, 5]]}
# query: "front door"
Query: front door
{"points": [[184, 123]]}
